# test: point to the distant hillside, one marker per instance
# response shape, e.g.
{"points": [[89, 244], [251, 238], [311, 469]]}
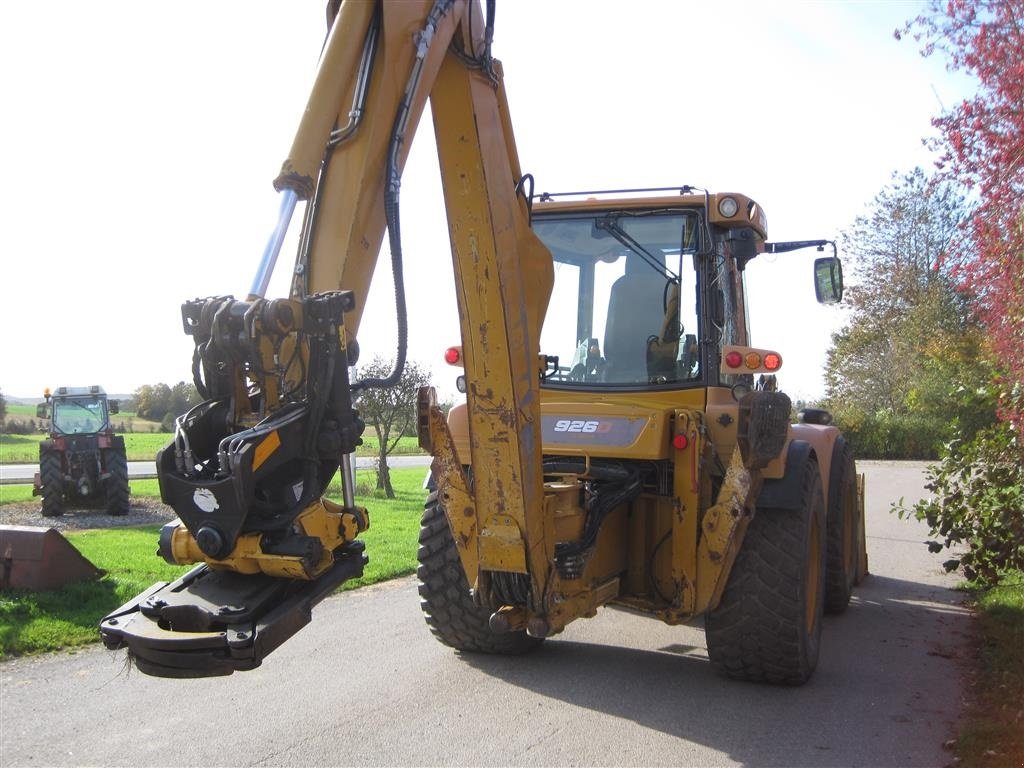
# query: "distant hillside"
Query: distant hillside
{"points": [[22, 400]]}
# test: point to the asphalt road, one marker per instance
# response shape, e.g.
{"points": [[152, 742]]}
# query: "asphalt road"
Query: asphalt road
{"points": [[365, 684], [23, 473]]}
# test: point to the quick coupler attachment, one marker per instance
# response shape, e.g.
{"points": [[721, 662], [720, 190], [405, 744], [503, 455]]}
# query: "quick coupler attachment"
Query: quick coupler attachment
{"points": [[214, 622]]}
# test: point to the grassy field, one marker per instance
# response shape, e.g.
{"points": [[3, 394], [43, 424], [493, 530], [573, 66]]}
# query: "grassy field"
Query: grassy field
{"points": [[35, 622], [142, 446], [15, 493], [19, 412], [366, 479], [24, 449], [992, 733]]}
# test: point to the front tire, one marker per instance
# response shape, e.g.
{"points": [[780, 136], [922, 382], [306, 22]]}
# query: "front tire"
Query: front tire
{"points": [[51, 476], [454, 619], [767, 626]]}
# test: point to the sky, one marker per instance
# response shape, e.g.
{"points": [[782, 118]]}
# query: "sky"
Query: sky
{"points": [[139, 143]]}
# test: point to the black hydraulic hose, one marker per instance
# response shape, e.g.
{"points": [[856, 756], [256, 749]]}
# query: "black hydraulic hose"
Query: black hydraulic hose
{"points": [[391, 215], [391, 194]]}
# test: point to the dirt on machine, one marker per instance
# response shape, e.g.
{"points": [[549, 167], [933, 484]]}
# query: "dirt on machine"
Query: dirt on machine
{"points": [[82, 463], [622, 442]]}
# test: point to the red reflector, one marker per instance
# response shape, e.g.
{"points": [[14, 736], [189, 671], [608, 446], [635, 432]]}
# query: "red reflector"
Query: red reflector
{"points": [[772, 361], [452, 356], [680, 442], [734, 359]]}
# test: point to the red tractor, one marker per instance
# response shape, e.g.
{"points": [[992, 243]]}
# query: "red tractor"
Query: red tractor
{"points": [[83, 462]]}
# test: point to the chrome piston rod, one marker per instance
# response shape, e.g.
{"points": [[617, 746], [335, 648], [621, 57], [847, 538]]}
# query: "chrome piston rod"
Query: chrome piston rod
{"points": [[289, 199]]}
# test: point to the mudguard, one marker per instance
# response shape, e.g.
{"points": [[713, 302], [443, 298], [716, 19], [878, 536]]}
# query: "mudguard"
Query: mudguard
{"points": [[786, 491]]}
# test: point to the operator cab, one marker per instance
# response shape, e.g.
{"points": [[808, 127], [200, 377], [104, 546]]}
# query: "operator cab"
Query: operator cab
{"points": [[623, 309], [640, 284]]}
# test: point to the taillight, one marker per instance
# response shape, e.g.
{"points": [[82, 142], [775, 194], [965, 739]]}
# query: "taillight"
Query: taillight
{"points": [[747, 360], [679, 442], [452, 356]]}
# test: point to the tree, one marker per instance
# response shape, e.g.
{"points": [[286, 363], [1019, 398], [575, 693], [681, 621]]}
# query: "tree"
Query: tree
{"points": [[3, 408], [982, 147], [912, 339], [392, 412], [184, 396], [978, 486], [158, 401]]}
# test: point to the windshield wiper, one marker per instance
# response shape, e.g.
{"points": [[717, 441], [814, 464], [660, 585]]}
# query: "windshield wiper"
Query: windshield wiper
{"points": [[610, 225]]}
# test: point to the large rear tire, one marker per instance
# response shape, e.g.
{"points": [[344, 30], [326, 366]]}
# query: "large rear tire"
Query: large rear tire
{"points": [[116, 488], [845, 529], [51, 476], [454, 619], [767, 626]]}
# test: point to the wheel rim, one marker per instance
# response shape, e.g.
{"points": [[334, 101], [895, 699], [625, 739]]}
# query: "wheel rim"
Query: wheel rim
{"points": [[813, 571]]}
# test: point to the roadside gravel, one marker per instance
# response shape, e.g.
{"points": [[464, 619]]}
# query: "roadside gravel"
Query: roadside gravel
{"points": [[143, 511]]}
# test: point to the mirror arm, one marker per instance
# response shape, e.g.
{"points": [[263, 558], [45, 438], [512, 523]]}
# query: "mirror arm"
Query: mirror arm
{"points": [[795, 245]]}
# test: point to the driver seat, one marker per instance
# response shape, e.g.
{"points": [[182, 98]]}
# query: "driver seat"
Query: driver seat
{"points": [[636, 311]]}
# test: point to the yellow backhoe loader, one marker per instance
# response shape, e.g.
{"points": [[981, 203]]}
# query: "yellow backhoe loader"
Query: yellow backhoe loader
{"points": [[620, 443]]}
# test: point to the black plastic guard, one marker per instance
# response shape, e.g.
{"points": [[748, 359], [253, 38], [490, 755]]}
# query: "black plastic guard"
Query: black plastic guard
{"points": [[210, 623], [763, 427]]}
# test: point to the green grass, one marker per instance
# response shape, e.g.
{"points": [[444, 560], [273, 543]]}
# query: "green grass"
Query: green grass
{"points": [[68, 617], [24, 449], [20, 412], [142, 446], [392, 539], [407, 446], [150, 488], [993, 731], [14, 493]]}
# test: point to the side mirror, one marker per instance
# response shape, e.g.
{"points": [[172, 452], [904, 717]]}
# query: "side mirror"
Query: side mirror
{"points": [[43, 411], [828, 280], [112, 406]]}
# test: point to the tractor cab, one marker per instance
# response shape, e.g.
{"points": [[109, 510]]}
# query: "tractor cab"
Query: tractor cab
{"points": [[77, 410]]}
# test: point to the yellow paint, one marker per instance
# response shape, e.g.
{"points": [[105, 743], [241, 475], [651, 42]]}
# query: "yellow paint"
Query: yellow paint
{"points": [[263, 451]]}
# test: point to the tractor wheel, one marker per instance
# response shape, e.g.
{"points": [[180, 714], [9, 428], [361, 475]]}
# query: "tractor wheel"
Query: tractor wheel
{"points": [[453, 617], [845, 530], [51, 476], [767, 626], [116, 487]]}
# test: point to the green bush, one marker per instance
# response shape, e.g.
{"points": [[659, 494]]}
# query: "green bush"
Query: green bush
{"points": [[977, 502], [16, 427], [894, 436]]}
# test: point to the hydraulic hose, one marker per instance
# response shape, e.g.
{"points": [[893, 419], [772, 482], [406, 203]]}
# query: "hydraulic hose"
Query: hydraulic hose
{"points": [[391, 196]]}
